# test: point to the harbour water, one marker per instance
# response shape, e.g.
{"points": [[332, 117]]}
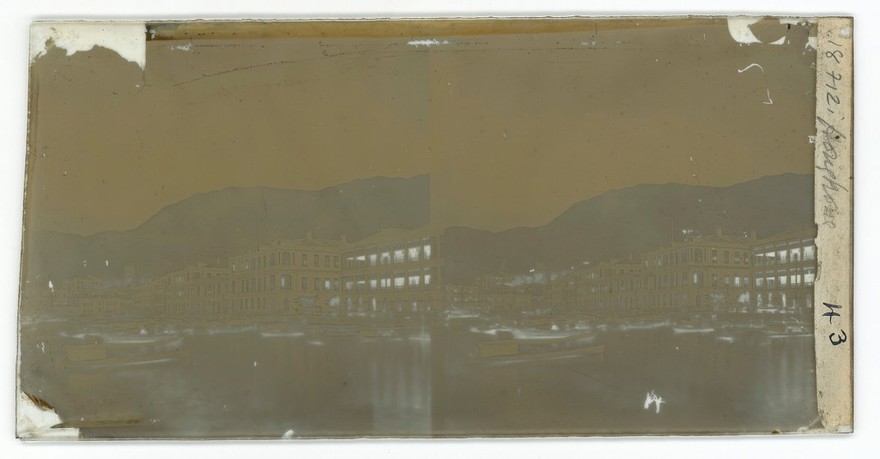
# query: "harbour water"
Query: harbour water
{"points": [[225, 381]]}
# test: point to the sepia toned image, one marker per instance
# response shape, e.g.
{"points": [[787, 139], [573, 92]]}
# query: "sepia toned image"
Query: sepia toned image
{"points": [[429, 228]]}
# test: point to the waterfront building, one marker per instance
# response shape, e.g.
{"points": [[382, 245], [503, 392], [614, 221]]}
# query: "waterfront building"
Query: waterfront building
{"points": [[785, 270], [700, 273], [286, 277], [393, 272]]}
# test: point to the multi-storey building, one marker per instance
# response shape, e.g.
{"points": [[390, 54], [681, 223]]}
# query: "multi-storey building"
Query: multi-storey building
{"points": [[716, 272], [286, 277], [193, 290], [392, 272], [608, 288], [401, 272], [785, 269], [700, 273]]}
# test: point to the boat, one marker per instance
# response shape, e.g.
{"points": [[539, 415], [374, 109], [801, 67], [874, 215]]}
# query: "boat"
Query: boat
{"points": [[521, 346], [682, 329], [788, 331], [99, 353]]}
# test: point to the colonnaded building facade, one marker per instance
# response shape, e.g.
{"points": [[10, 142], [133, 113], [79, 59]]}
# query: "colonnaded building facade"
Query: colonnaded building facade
{"points": [[403, 272]]}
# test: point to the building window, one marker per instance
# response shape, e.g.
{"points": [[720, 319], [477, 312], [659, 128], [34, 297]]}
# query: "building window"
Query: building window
{"points": [[714, 280], [385, 258], [304, 284], [398, 256], [698, 254], [413, 279], [809, 252], [304, 260], [285, 281], [373, 259], [809, 276], [336, 261], [426, 251], [327, 285], [316, 261], [427, 276], [285, 259], [714, 256], [399, 281], [726, 257], [413, 253], [317, 284], [327, 261], [783, 256]]}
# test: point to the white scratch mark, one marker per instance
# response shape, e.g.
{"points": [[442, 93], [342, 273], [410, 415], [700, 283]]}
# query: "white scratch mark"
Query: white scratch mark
{"points": [[811, 139], [652, 398], [750, 66], [845, 32], [428, 43], [106, 262], [51, 287], [127, 39], [780, 41], [186, 47], [769, 101], [255, 364], [289, 434]]}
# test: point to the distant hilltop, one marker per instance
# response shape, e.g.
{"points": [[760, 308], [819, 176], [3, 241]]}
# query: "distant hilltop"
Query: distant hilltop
{"points": [[625, 222], [210, 227]]}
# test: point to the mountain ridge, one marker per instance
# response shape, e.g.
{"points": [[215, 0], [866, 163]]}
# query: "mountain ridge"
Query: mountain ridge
{"points": [[214, 225]]}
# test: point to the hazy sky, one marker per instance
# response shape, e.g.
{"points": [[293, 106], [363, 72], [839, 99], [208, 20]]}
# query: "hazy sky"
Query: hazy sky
{"points": [[514, 126]]}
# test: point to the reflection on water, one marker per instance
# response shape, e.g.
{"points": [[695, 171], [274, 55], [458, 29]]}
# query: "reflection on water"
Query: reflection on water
{"points": [[418, 381]]}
